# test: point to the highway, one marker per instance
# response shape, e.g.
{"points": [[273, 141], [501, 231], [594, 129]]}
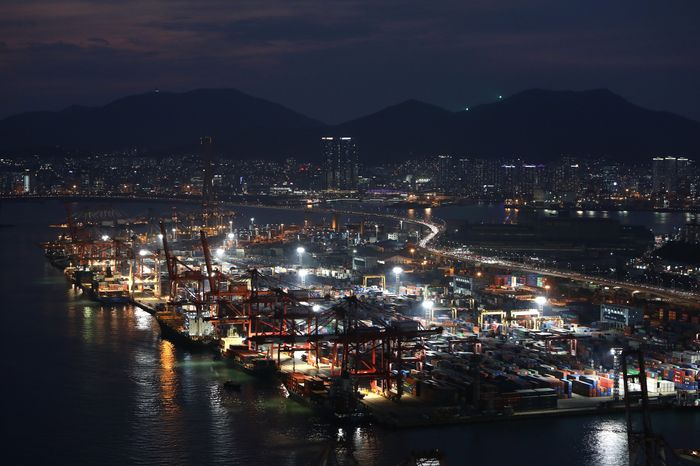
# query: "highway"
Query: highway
{"points": [[677, 296]]}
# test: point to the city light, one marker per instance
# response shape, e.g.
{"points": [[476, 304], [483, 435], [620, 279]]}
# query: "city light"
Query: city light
{"points": [[552, 259], [300, 253], [397, 271]]}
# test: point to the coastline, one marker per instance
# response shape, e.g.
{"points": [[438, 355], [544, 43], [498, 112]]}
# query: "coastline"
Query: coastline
{"points": [[299, 204]]}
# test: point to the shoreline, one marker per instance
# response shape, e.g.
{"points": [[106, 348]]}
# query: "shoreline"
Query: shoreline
{"points": [[300, 205]]}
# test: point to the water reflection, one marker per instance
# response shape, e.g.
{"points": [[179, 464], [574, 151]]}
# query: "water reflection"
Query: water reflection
{"points": [[88, 325], [168, 378], [608, 443], [142, 319]]}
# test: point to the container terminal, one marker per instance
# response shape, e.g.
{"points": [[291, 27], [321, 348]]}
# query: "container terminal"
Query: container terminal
{"points": [[362, 320]]}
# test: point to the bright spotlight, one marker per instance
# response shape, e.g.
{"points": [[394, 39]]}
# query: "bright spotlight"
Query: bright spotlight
{"points": [[301, 250], [105, 238], [220, 252], [144, 252], [316, 308], [428, 304], [397, 270], [540, 300]]}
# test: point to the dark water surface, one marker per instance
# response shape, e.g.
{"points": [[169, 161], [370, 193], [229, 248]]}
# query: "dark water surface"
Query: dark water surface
{"points": [[93, 385]]}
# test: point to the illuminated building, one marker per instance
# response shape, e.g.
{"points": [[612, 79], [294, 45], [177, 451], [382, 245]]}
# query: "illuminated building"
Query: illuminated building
{"points": [[340, 158]]}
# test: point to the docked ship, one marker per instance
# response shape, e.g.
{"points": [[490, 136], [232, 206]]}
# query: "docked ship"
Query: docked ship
{"points": [[185, 327], [334, 397], [237, 355], [104, 288], [55, 252]]}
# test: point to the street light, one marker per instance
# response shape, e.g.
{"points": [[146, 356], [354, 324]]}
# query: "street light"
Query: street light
{"points": [[540, 300], [617, 353], [428, 306], [144, 252], [300, 252], [397, 271]]}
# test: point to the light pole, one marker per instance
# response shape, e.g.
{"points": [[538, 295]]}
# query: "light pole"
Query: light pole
{"points": [[616, 352], [540, 301], [397, 271], [428, 306], [156, 271], [300, 252]]}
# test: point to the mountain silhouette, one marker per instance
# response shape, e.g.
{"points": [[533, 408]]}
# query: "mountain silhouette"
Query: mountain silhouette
{"points": [[536, 125]]}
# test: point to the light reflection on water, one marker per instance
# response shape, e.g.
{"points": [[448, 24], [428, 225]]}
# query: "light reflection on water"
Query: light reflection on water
{"points": [[658, 222], [608, 442]]}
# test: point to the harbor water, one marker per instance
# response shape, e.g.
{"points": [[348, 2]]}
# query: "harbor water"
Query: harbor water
{"points": [[91, 384]]}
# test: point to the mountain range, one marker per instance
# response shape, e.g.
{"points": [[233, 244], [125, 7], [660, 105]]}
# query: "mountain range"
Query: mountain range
{"points": [[536, 125]]}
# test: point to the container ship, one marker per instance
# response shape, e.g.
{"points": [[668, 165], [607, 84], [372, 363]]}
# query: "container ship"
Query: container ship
{"points": [[334, 397], [184, 327], [100, 287], [252, 362]]}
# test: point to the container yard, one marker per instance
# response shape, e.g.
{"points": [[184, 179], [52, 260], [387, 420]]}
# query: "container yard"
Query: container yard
{"points": [[383, 330]]}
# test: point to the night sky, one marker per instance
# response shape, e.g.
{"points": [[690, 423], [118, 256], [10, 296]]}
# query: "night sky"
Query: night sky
{"points": [[339, 60]]}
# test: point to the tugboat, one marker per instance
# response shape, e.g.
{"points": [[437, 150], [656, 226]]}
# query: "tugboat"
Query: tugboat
{"points": [[689, 455]]}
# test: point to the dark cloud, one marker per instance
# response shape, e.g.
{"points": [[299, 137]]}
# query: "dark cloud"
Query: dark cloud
{"points": [[338, 59]]}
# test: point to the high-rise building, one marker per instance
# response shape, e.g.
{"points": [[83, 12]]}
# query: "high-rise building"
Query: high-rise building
{"points": [[446, 174], [669, 173], [340, 157]]}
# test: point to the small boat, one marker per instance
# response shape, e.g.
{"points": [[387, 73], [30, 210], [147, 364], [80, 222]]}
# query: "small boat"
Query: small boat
{"points": [[233, 386], [689, 455]]}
